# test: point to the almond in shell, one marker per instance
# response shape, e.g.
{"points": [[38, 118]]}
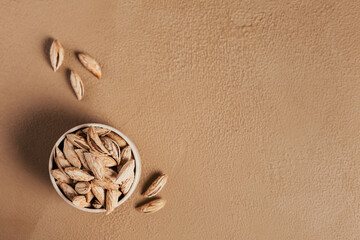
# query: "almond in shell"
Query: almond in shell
{"points": [[56, 55], [99, 193], [77, 85], [61, 176], [62, 163], [156, 186], [89, 196], [94, 141], [95, 165], [78, 174], [126, 185], [99, 130], [110, 174], [70, 154], [125, 172], [107, 160], [111, 200], [80, 201], [152, 206], [91, 64], [78, 141], [58, 152], [105, 184], [82, 187], [80, 154], [113, 148], [60, 160], [67, 190], [119, 140], [126, 154]]}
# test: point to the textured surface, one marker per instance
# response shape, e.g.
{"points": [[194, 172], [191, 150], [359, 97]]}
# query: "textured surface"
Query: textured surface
{"points": [[251, 107]]}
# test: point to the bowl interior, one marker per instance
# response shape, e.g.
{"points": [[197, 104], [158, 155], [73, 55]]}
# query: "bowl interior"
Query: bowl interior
{"points": [[134, 151]]}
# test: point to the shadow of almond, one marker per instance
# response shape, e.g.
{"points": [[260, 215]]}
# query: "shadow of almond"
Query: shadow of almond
{"points": [[38, 130], [76, 54], [150, 180], [46, 44]]}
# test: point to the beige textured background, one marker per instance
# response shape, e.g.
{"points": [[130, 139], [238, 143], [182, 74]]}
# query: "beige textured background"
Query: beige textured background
{"points": [[251, 107]]}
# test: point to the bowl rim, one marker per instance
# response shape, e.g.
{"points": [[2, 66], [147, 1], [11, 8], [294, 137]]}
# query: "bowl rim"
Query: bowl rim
{"points": [[136, 157]]}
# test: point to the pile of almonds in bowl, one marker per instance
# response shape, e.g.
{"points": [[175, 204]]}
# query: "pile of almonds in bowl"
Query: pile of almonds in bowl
{"points": [[94, 167]]}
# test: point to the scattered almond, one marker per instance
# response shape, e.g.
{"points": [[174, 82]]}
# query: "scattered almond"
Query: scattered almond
{"points": [[152, 206], [56, 55], [77, 85], [91, 64], [156, 186]]}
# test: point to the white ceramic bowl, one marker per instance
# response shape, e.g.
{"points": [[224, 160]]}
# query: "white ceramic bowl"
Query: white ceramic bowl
{"points": [[136, 157]]}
